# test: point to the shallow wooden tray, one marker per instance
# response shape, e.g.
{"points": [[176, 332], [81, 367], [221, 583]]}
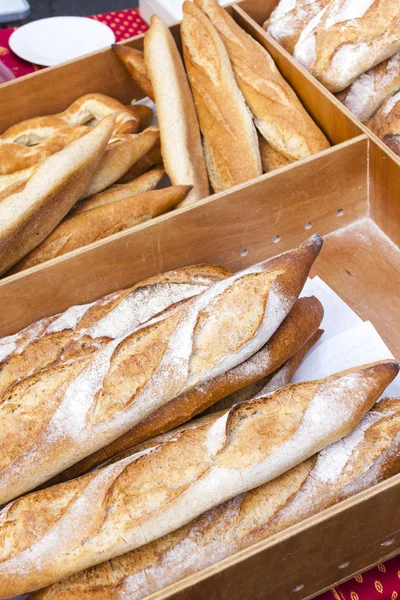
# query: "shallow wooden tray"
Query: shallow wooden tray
{"points": [[345, 194]]}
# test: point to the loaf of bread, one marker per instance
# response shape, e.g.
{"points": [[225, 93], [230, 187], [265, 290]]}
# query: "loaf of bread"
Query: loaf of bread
{"points": [[89, 110], [134, 62], [271, 382], [150, 159], [109, 512], [289, 18], [230, 140], [296, 330], [16, 157], [30, 211], [368, 455], [120, 191], [347, 38], [181, 147], [83, 329], [278, 113], [271, 159], [368, 92], [67, 412], [120, 156], [100, 222], [386, 123]]}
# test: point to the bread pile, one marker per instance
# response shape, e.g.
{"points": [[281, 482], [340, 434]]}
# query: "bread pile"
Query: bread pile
{"points": [[107, 384], [226, 103], [353, 48]]}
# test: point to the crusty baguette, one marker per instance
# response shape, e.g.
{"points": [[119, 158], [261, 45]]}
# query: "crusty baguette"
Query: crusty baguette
{"points": [[150, 159], [230, 140], [369, 91], [83, 329], [386, 123], [368, 455], [181, 147], [294, 332], [145, 183], [289, 18], [271, 159], [134, 62], [271, 382], [95, 224], [278, 113], [48, 429], [16, 157], [347, 38], [119, 157], [125, 505], [31, 210]]}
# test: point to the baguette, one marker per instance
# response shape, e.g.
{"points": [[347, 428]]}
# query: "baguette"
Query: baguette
{"points": [[83, 329], [278, 113], [347, 38], [105, 220], [386, 123], [179, 128], [29, 211], [133, 61], [150, 159], [294, 332], [15, 157], [67, 412], [271, 382], [125, 505], [271, 159], [145, 183], [289, 18], [368, 455], [120, 156], [230, 140], [371, 89]]}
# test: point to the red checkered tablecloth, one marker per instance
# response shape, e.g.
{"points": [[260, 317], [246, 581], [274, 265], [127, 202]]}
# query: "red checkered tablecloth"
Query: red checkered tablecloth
{"points": [[380, 583]]}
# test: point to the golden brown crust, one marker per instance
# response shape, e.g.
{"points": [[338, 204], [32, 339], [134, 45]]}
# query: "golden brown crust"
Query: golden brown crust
{"points": [[133, 61], [224, 118], [278, 113], [148, 495], [150, 159], [28, 216], [294, 332], [271, 159], [386, 123], [103, 221], [145, 183]]}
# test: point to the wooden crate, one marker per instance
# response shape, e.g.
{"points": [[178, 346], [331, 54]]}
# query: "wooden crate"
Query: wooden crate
{"points": [[347, 193]]}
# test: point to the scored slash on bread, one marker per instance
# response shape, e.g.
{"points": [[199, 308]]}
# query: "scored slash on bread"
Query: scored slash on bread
{"points": [[102, 221], [368, 455], [143, 497], [230, 140], [347, 38], [74, 409], [83, 329], [292, 335], [31, 210], [278, 113], [179, 128]]}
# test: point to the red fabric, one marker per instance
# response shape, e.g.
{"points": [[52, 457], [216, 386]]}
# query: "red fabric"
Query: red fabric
{"points": [[124, 23], [380, 583]]}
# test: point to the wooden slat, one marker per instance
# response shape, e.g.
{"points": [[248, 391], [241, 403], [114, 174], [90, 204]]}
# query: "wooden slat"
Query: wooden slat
{"points": [[235, 229], [258, 11], [308, 554], [363, 266], [336, 122]]}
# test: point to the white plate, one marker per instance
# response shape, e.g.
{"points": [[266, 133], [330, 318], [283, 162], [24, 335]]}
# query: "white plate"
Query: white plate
{"points": [[57, 39]]}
